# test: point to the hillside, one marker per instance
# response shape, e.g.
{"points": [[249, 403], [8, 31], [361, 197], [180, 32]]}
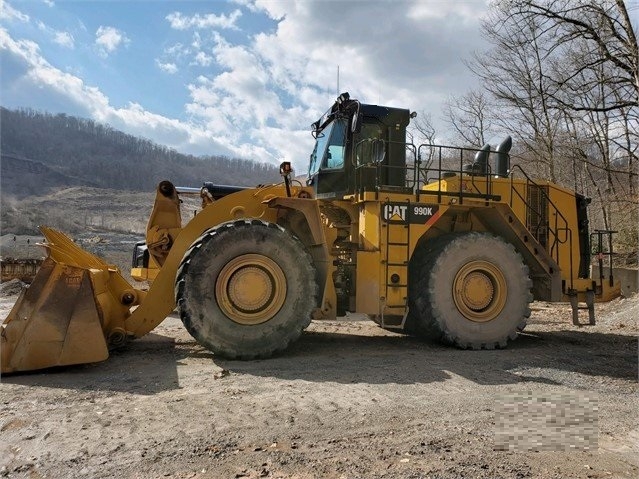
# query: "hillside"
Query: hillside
{"points": [[21, 177], [41, 151], [79, 175]]}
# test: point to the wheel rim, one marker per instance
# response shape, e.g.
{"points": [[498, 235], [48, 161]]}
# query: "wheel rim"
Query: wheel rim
{"points": [[250, 289], [480, 291]]}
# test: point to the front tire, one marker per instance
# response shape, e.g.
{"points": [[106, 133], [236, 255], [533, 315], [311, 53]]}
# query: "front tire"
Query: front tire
{"points": [[473, 291], [246, 289]]}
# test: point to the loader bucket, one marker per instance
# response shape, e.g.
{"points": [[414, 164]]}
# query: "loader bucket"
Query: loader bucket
{"points": [[71, 313]]}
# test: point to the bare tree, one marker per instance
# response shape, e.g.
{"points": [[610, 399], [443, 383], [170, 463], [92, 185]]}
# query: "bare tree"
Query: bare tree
{"points": [[591, 37], [470, 117], [596, 84], [563, 75], [628, 146], [421, 133], [515, 73], [421, 129]]}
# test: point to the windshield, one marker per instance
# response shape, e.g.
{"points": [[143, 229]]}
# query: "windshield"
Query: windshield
{"points": [[318, 151], [329, 148], [335, 154]]}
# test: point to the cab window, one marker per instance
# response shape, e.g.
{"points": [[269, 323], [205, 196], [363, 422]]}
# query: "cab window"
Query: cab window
{"points": [[369, 146], [319, 150], [335, 152]]}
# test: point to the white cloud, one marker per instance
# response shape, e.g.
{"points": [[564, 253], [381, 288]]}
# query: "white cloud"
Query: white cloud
{"points": [[275, 10], [260, 93], [177, 51], [203, 59], [179, 21], [133, 119], [108, 39], [202, 94], [197, 41], [64, 39], [272, 88], [39, 72], [249, 4], [438, 10], [7, 12], [49, 3], [170, 68]]}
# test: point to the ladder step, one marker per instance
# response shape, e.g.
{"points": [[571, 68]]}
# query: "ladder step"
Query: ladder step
{"points": [[398, 248]]}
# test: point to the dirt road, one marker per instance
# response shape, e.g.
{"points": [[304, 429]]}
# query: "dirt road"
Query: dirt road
{"points": [[349, 400]]}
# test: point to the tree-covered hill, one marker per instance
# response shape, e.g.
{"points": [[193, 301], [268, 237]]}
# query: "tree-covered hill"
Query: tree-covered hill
{"points": [[42, 150]]}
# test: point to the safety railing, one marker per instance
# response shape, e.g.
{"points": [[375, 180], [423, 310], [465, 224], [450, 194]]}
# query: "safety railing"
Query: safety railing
{"points": [[559, 230], [374, 172], [458, 161], [600, 252], [429, 164], [423, 164]]}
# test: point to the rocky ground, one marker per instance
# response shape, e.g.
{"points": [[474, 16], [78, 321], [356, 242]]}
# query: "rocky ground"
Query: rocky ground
{"points": [[348, 400]]}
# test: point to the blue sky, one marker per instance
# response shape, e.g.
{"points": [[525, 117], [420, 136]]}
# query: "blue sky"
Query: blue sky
{"points": [[240, 77]]}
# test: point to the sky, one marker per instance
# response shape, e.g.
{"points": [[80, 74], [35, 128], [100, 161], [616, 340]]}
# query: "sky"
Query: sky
{"points": [[241, 78]]}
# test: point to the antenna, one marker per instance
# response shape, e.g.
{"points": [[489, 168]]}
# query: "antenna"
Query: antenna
{"points": [[337, 80]]}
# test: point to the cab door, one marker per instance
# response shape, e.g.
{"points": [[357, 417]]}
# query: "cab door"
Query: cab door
{"points": [[328, 171]]}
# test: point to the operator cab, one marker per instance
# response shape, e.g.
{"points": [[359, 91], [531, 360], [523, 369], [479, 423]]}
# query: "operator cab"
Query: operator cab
{"points": [[358, 148]]}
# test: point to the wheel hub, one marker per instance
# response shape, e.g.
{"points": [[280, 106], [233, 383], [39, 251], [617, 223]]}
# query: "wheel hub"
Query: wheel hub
{"points": [[480, 291], [477, 290], [251, 289]]}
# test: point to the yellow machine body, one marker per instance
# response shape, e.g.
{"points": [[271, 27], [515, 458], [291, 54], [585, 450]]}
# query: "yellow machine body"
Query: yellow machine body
{"points": [[252, 268], [79, 307]]}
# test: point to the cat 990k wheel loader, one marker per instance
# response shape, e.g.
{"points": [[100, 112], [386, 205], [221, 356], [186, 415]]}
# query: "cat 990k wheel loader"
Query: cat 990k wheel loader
{"points": [[435, 241]]}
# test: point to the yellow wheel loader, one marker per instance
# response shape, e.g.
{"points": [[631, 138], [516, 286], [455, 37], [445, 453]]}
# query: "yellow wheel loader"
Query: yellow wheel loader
{"points": [[436, 241]]}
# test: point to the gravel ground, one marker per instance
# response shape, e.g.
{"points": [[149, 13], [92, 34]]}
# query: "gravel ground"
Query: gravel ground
{"points": [[348, 400]]}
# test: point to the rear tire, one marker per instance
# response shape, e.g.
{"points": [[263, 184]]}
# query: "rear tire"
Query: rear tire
{"points": [[417, 323], [472, 290], [246, 289]]}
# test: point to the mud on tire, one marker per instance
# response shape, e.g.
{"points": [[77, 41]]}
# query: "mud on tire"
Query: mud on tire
{"points": [[246, 289], [471, 290], [417, 324]]}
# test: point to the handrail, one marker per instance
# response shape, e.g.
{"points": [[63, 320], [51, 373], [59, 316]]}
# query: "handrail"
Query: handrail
{"points": [[601, 253], [416, 172], [429, 159], [464, 154], [554, 253], [374, 159]]}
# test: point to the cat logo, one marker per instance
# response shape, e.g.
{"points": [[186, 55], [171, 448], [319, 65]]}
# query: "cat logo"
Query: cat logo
{"points": [[74, 280], [395, 212]]}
